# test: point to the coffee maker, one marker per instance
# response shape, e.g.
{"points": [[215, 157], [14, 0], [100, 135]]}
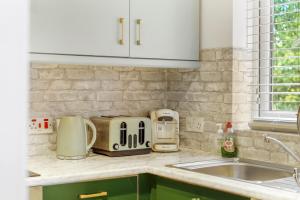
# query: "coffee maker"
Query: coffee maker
{"points": [[165, 130]]}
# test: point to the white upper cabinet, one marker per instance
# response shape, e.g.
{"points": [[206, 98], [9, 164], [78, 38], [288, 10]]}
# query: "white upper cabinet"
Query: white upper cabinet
{"points": [[80, 27], [165, 29], [162, 33]]}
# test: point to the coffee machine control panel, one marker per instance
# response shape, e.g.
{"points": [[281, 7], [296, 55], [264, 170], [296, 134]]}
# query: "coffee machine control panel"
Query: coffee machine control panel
{"points": [[165, 130]]}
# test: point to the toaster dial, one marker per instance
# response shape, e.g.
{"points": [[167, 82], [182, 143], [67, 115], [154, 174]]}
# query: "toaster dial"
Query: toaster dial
{"points": [[116, 146], [148, 144]]}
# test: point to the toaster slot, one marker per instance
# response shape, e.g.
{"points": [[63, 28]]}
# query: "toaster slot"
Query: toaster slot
{"points": [[141, 133], [123, 134], [129, 141], [134, 141]]}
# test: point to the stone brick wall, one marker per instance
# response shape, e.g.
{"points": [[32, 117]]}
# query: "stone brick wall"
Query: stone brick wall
{"points": [[87, 90], [58, 90], [218, 91]]}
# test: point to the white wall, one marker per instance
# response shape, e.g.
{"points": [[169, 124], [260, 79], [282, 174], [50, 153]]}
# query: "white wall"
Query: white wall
{"points": [[216, 23], [223, 24], [240, 23], [13, 105]]}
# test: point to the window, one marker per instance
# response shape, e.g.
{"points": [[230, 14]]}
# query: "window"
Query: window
{"points": [[274, 38]]}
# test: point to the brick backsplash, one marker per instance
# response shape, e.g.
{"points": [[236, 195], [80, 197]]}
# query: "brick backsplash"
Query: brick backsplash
{"points": [[58, 90], [218, 91]]}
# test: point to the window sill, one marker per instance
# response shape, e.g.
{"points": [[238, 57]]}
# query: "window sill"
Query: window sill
{"points": [[274, 126]]}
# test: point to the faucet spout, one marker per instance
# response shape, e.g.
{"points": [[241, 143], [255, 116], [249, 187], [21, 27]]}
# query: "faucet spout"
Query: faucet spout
{"points": [[268, 139]]}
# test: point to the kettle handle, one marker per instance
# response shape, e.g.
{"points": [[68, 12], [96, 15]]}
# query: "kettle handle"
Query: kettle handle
{"points": [[92, 126]]}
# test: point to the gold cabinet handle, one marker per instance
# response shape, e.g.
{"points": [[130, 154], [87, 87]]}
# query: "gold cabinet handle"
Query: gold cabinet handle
{"points": [[121, 40], [88, 196], [138, 25]]}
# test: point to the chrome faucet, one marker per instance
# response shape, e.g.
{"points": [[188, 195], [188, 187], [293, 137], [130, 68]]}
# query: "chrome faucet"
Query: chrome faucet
{"points": [[268, 139]]}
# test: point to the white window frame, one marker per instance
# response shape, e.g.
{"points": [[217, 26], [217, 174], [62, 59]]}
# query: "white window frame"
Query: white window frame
{"points": [[265, 73]]}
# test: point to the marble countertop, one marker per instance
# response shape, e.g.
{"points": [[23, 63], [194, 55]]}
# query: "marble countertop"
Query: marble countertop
{"points": [[96, 167]]}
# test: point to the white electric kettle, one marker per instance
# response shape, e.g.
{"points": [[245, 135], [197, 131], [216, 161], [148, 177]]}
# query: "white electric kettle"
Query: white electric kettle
{"points": [[72, 137]]}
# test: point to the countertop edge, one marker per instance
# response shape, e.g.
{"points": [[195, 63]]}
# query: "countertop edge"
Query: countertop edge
{"points": [[218, 183]]}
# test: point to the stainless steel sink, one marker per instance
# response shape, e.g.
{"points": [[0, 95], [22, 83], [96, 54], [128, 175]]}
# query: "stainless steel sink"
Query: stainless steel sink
{"points": [[242, 169]]}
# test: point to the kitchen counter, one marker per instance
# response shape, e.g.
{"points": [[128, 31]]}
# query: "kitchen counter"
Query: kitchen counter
{"points": [[96, 167]]}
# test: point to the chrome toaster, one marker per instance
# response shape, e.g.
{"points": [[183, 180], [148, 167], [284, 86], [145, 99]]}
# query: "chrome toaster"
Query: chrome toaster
{"points": [[122, 136]]}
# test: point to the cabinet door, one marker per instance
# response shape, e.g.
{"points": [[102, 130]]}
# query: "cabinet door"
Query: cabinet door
{"points": [[146, 184], [169, 189], [115, 189], [80, 27], [165, 29]]}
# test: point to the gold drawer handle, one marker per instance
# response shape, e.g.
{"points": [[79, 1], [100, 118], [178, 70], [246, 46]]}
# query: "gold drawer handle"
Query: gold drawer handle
{"points": [[139, 24], [88, 196], [121, 21]]}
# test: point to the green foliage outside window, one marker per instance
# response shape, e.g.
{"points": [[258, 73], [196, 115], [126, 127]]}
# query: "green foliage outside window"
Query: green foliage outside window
{"points": [[285, 49]]}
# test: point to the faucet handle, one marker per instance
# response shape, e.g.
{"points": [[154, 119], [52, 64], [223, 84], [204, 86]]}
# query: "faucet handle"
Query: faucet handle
{"points": [[296, 176], [266, 138]]}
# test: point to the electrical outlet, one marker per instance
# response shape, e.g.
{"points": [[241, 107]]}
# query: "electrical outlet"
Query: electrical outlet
{"points": [[40, 126], [195, 124]]}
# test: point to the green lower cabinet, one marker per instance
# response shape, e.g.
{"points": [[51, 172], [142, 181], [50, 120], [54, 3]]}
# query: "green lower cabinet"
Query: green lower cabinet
{"points": [[147, 183], [113, 189], [165, 189], [142, 187]]}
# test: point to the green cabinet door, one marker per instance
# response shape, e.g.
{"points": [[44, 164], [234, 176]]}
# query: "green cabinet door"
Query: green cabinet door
{"points": [[173, 190], [158, 188], [116, 189], [147, 186]]}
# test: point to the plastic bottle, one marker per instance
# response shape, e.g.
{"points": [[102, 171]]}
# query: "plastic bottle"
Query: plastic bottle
{"points": [[220, 137], [229, 149]]}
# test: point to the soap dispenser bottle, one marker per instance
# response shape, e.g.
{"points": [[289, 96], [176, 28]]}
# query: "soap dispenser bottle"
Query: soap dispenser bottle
{"points": [[229, 149], [220, 138]]}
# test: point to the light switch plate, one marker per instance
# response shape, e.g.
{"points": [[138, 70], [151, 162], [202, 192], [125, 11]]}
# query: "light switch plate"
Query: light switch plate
{"points": [[195, 124], [40, 125]]}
